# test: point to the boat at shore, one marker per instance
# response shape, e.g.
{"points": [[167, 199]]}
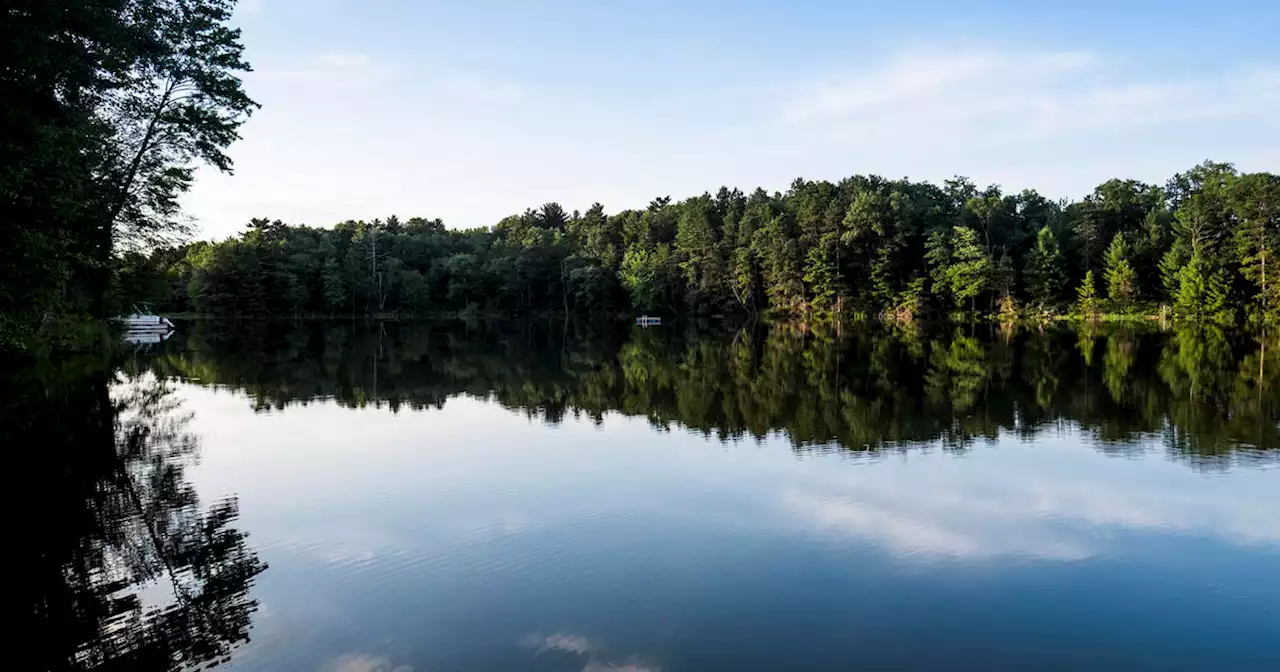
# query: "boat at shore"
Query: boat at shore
{"points": [[142, 320]]}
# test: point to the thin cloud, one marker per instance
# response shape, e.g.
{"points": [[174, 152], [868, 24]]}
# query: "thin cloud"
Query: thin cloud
{"points": [[989, 96], [912, 79]]}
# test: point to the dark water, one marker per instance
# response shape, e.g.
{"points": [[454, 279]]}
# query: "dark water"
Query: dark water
{"points": [[366, 498]]}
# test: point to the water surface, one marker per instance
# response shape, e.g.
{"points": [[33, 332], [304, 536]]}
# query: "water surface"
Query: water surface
{"points": [[363, 498]]}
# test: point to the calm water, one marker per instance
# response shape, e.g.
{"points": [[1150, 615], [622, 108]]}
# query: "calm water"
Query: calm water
{"points": [[365, 498]]}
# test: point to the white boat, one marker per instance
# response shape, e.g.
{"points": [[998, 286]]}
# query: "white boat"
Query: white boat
{"points": [[142, 320]]}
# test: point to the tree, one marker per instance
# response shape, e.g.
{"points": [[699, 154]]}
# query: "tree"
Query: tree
{"points": [[332, 286], [1115, 206], [1202, 291], [1255, 202], [1087, 297], [820, 276], [107, 107], [938, 258], [643, 276], [969, 272], [415, 292], [1121, 279], [1044, 271], [697, 246], [180, 103]]}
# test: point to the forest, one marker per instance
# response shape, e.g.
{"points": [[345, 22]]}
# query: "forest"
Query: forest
{"points": [[1194, 249]]}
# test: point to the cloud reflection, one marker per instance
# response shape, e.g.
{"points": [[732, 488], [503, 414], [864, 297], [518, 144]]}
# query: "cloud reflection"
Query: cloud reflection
{"points": [[566, 643], [363, 662], [1041, 506], [579, 645]]}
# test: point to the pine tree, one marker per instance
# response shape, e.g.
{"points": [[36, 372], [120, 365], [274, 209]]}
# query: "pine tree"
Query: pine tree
{"points": [[1087, 297], [1120, 276], [1202, 292], [970, 269], [1255, 201], [1171, 264], [1044, 273], [820, 275]]}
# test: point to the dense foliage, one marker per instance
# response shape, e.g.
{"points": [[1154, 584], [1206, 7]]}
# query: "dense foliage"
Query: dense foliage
{"points": [[109, 105], [1214, 398], [1199, 246]]}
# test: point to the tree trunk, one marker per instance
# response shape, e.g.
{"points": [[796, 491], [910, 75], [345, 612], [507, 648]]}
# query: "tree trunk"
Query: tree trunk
{"points": [[102, 275]]}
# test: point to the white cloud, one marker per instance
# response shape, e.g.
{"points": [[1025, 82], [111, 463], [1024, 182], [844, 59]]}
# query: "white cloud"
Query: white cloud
{"points": [[980, 98]]}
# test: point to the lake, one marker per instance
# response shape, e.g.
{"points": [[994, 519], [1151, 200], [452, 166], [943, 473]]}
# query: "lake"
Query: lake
{"points": [[373, 497]]}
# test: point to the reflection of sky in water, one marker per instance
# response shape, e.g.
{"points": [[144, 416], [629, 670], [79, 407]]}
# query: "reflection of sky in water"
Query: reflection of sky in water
{"points": [[475, 538]]}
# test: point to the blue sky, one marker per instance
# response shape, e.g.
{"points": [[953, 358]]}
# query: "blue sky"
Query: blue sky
{"points": [[470, 111]]}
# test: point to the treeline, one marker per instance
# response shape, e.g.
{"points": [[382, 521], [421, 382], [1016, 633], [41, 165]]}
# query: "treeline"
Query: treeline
{"points": [[1197, 248], [108, 107], [1211, 397]]}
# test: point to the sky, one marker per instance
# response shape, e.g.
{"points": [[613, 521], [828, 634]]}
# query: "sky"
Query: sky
{"points": [[473, 110]]}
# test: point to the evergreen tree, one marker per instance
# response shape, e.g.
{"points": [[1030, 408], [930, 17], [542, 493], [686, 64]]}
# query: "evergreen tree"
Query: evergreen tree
{"points": [[1202, 292], [970, 269], [1087, 297], [1044, 271], [820, 276], [1121, 279], [1255, 201]]}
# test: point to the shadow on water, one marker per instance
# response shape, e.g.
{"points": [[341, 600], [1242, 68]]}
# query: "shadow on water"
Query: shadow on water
{"points": [[1212, 398], [122, 566]]}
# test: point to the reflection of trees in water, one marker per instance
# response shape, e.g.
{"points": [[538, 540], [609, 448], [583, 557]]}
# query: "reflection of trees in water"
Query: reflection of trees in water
{"points": [[1206, 393], [123, 568]]}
